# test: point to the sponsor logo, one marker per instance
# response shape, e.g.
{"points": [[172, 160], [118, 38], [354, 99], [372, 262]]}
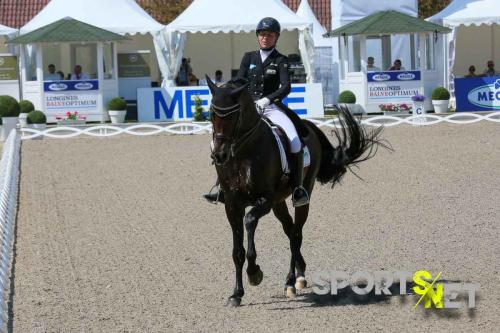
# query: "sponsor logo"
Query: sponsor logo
{"points": [[406, 76], [84, 86], [381, 77], [487, 96], [58, 86], [133, 58]]}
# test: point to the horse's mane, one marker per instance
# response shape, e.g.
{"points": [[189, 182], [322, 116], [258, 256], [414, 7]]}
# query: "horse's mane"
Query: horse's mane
{"points": [[236, 83]]}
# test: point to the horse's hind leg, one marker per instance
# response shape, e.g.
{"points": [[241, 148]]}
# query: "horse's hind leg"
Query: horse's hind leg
{"points": [[301, 214], [281, 212], [261, 208]]}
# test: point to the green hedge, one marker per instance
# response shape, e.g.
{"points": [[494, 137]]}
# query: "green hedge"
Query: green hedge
{"points": [[26, 106], [9, 107], [36, 117], [347, 97], [117, 104], [440, 94]]}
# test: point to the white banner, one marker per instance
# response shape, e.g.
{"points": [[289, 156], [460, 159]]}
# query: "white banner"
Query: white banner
{"points": [[177, 103], [393, 86]]}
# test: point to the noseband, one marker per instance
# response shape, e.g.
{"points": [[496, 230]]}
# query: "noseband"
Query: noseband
{"points": [[236, 142]]}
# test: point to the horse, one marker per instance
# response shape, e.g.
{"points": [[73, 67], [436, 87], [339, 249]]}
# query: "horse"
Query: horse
{"points": [[248, 164]]}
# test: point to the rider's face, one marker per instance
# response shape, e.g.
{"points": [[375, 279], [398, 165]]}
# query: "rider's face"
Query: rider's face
{"points": [[267, 39]]}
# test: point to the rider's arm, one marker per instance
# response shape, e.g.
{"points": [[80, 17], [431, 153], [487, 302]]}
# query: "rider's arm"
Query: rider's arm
{"points": [[245, 64], [285, 85]]}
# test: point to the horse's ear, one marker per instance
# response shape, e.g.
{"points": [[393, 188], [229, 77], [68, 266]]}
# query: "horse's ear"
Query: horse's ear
{"points": [[236, 92], [211, 84]]}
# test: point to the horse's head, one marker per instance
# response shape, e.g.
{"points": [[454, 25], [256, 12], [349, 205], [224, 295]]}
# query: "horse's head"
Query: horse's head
{"points": [[229, 114]]}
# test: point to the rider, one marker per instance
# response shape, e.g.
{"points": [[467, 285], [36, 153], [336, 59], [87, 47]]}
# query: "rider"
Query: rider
{"points": [[266, 70]]}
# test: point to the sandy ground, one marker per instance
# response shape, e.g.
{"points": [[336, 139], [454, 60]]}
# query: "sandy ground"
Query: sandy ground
{"points": [[113, 236]]}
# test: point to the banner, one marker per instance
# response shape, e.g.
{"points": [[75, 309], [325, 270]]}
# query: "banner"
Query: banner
{"points": [[133, 65], [8, 68], [478, 93], [63, 96], [393, 86], [177, 103]]}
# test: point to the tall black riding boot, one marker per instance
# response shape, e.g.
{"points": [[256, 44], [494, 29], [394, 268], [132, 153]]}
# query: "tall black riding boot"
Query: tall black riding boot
{"points": [[217, 196], [299, 195]]}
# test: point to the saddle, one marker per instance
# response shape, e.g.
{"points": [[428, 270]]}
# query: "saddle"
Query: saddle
{"points": [[284, 146]]}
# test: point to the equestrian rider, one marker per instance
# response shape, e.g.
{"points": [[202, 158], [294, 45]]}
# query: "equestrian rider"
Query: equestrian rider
{"points": [[266, 70]]}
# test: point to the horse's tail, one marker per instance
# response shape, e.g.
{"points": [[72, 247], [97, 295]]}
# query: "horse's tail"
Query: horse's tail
{"points": [[355, 145]]}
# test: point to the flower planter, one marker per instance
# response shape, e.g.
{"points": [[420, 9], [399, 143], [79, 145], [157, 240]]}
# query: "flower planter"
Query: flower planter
{"points": [[8, 124], [394, 113], [39, 127], [440, 106], [22, 120], [66, 122], [117, 117]]}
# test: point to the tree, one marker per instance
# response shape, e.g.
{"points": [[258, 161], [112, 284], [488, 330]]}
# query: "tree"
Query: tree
{"points": [[427, 8], [164, 11]]}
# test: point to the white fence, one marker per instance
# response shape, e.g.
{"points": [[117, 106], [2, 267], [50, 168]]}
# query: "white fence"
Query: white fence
{"points": [[9, 173], [203, 128]]}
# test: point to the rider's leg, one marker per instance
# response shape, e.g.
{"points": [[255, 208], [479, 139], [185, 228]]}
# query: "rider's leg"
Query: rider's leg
{"points": [[299, 196], [218, 195]]}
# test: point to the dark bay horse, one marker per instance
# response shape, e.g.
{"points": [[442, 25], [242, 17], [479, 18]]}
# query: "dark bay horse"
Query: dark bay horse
{"points": [[249, 168]]}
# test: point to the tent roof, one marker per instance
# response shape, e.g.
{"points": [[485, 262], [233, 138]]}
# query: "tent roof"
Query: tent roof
{"points": [[468, 12], [306, 13], [119, 16], [67, 30], [234, 16], [387, 22], [4, 30]]}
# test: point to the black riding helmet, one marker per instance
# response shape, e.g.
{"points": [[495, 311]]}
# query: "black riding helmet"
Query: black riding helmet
{"points": [[269, 24]]}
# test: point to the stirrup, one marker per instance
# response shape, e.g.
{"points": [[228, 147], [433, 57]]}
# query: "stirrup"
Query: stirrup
{"points": [[303, 197], [214, 198]]}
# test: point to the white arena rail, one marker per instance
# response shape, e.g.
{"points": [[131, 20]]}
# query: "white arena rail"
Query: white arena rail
{"points": [[203, 128], [9, 173]]}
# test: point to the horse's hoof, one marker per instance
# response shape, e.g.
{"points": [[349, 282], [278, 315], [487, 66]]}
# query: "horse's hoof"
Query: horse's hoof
{"points": [[291, 292], [256, 278], [301, 283], [233, 302]]}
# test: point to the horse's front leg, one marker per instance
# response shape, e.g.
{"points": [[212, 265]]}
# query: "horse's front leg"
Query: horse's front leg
{"points": [[261, 208], [235, 216]]}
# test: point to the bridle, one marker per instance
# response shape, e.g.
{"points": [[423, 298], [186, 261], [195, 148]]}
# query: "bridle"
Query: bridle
{"points": [[235, 141]]}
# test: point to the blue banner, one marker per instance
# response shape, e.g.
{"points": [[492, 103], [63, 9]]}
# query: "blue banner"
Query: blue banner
{"points": [[478, 93], [393, 76], [60, 86]]}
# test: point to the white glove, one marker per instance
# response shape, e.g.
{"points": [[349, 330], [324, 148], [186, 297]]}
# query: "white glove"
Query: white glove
{"points": [[262, 103]]}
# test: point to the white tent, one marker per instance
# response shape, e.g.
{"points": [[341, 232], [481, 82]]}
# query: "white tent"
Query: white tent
{"points": [[307, 14], [216, 33], [4, 30], [123, 17], [474, 40]]}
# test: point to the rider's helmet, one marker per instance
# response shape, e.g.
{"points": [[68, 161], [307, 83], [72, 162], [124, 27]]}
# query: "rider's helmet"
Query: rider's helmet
{"points": [[269, 24]]}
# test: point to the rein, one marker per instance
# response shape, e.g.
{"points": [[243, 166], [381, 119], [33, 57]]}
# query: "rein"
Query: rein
{"points": [[240, 141]]}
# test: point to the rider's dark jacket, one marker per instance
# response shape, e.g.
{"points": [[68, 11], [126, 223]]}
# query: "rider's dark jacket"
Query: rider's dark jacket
{"points": [[269, 79]]}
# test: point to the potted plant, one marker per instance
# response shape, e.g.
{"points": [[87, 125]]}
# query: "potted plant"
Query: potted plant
{"points": [[440, 99], [71, 118], [117, 109], [199, 111], [25, 107], [394, 108], [348, 100], [9, 111], [418, 104], [37, 120]]}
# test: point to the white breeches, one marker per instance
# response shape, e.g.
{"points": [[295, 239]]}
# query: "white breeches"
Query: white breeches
{"points": [[280, 118]]}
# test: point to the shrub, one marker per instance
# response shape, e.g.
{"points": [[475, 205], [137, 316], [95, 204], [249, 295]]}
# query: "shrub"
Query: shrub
{"points": [[347, 97], [36, 117], [199, 112], [440, 94], [9, 107], [26, 106], [117, 104]]}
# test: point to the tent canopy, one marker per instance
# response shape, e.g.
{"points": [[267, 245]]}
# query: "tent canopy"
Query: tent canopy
{"points": [[67, 30], [4, 30], [119, 16], [387, 23], [468, 12], [304, 11], [234, 16]]}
